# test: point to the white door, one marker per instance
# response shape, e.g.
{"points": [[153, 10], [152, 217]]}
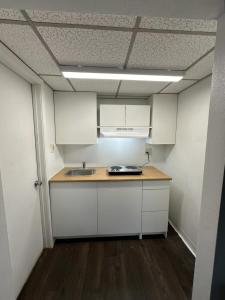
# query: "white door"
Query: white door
{"points": [[112, 115], [19, 172], [137, 115], [119, 207]]}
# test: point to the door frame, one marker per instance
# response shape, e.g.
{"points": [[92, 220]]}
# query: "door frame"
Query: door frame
{"points": [[44, 193]]}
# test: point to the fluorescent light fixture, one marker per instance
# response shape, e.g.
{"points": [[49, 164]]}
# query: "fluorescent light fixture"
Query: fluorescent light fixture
{"points": [[117, 74]]}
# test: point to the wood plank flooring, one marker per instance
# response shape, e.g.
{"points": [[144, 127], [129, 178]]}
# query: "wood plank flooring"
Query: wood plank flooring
{"points": [[113, 269]]}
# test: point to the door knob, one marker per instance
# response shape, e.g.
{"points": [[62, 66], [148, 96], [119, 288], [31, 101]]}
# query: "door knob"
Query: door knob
{"points": [[37, 183]]}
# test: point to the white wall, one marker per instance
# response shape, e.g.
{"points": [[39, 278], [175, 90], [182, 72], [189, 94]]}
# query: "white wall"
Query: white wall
{"points": [[6, 283], [19, 171], [111, 151], [54, 161], [213, 175], [185, 161]]}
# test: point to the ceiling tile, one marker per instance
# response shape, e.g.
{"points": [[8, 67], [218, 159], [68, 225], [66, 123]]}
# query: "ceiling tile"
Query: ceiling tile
{"points": [[168, 51], [92, 85], [178, 24], [87, 47], [58, 83], [202, 68], [140, 88], [177, 87], [22, 40], [11, 14], [77, 18]]}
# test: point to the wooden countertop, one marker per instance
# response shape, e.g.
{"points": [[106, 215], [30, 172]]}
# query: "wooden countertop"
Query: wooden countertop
{"points": [[149, 173]]}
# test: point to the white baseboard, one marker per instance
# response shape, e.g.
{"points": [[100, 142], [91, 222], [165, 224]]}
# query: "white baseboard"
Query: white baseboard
{"points": [[187, 244]]}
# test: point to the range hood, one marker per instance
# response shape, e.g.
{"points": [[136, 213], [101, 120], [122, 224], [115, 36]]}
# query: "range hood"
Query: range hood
{"points": [[125, 132]]}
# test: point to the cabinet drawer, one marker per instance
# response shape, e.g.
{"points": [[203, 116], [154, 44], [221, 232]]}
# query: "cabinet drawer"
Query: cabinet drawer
{"points": [[159, 184], [154, 200], [154, 222]]}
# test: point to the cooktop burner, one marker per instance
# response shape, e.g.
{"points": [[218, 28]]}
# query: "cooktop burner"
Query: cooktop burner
{"points": [[124, 170], [116, 168]]}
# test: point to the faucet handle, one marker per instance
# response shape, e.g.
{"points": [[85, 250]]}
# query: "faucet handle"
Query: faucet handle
{"points": [[84, 164]]}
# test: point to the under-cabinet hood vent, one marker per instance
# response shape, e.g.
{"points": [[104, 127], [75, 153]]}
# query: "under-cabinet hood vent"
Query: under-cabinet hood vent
{"points": [[126, 132]]}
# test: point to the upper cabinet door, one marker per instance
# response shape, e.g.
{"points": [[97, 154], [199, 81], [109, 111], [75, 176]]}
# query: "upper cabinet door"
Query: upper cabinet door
{"points": [[112, 115], [164, 119], [137, 115], [75, 117]]}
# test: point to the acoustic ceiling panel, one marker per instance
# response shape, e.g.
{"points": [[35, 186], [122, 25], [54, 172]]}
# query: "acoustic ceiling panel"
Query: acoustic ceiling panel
{"points": [[11, 14], [179, 24], [99, 86], [87, 47], [202, 68], [140, 88], [168, 51], [77, 18], [22, 40], [177, 87], [58, 83]]}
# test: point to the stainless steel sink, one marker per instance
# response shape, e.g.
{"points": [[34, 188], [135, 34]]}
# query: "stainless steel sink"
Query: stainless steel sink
{"points": [[80, 172]]}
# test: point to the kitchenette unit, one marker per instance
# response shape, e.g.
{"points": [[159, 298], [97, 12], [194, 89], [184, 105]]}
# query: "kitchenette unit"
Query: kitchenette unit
{"points": [[118, 199]]}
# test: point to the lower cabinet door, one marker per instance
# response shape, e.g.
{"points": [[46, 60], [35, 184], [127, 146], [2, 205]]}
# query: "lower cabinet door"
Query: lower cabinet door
{"points": [[119, 207], [74, 209], [154, 222]]}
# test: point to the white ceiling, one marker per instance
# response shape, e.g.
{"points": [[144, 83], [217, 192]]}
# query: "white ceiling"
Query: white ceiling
{"points": [[53, 38], [177, 87], [87, 47], [76, 18], [141, 88], [10, 14], [99, 86], [178, 24], [58, 83], [168, 51]]}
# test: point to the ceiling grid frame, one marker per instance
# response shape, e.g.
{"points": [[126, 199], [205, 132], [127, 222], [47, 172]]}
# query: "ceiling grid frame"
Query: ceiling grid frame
{"points": [[25, 63], [132, 41], [134, 30], [195, 83], [108, 28], [189, 67], [39, 36]]}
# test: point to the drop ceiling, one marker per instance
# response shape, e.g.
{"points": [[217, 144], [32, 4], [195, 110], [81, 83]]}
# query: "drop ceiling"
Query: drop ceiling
{"points": [[44, 40]]}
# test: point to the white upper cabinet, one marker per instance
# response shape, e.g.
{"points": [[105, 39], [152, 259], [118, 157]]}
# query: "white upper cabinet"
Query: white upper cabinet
{"points": [[164, 119], [75, 117], [124, 115], [137, 115], [112, 115]]}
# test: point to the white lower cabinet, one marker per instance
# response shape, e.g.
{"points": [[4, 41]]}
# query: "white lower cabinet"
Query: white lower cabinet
{"points": [[74, 209], [154, 222], [155, 207], [109, 208], [119, 207]]}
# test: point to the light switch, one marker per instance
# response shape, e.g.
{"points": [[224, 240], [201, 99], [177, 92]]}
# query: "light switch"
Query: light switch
{"points": [[52, 148]]}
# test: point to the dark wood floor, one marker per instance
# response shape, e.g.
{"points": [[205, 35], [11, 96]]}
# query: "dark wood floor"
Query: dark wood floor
{"points": [[113, 269]]}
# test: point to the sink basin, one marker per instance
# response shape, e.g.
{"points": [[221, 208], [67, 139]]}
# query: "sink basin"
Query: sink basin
{"points": [[80, 172]]}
